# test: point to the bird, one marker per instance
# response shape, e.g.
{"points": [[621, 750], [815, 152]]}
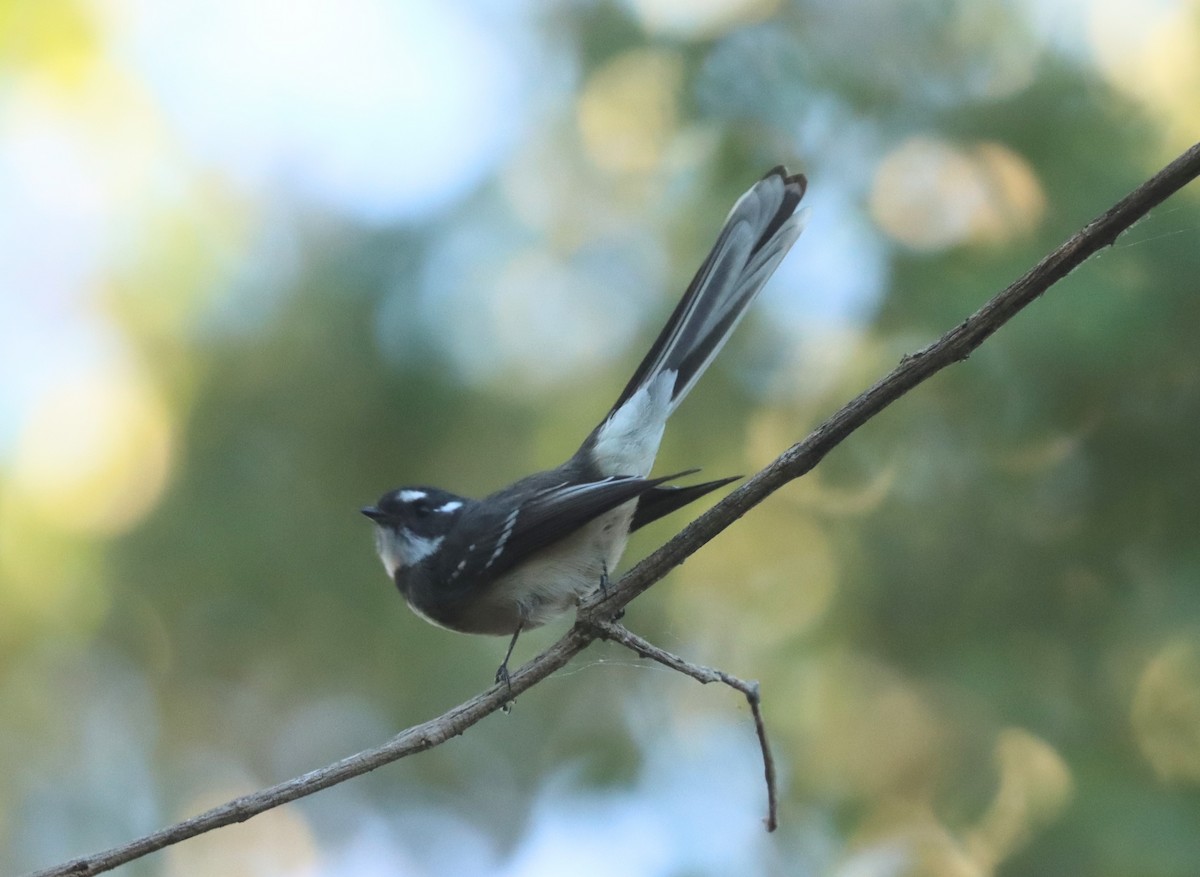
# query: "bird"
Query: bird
{"points": [[532, 551]]}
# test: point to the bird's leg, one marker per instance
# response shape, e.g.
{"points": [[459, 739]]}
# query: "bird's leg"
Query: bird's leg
{"points": [[604, 583], [502, 670]]}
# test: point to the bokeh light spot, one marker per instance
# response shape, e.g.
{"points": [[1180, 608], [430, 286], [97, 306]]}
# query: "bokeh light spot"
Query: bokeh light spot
{"points": [[929, 194], [378, 110], [1151, 51], [95, 452], [1166, 711], [692, 19], [52, 37], [628, 110], [1015, 201], [1035, 785]]}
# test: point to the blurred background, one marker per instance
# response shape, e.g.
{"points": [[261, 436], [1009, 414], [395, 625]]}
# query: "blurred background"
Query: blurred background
{"points": [[260, 262]]}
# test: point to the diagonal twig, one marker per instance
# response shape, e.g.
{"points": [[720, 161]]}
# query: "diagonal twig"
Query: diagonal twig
{"points": [[952, 347], [955, 346]]}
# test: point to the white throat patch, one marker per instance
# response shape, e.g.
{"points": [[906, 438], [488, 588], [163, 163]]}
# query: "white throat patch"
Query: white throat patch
{"points": [[399, 549]]}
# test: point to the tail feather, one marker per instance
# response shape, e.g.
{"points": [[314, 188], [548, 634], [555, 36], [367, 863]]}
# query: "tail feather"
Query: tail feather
{"points": [[759, 231], [663, 499]]}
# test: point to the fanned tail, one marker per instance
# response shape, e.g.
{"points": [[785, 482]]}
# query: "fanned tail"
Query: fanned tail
{"points": [[759, 231]]}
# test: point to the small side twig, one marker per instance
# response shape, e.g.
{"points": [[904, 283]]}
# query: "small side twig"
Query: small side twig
{"points": [[618, 633]]}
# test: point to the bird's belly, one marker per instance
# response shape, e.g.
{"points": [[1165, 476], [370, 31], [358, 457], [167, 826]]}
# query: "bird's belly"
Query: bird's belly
{"points": [[554, 579]]}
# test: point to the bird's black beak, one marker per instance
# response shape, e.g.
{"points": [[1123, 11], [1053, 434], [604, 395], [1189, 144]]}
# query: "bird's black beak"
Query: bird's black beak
{"points": [[373, 513]]}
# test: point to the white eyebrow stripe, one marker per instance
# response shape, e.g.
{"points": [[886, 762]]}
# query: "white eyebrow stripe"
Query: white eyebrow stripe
{"points": [[453, 505], [509, 523], [411, 495]]}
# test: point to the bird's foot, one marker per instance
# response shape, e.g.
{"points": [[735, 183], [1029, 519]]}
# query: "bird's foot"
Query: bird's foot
{"points": [[604, 584], [503, 678]]}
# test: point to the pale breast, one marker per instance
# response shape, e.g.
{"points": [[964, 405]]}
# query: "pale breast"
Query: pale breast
{"points": [[553, 581]]}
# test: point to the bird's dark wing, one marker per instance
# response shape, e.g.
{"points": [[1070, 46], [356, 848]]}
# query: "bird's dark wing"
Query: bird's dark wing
{"points": [[512, 534], [660, 501]]}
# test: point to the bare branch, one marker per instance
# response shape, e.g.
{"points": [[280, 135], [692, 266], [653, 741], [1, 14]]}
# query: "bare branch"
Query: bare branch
{"points": [[416, 739], [704, 675], [955, 346]]}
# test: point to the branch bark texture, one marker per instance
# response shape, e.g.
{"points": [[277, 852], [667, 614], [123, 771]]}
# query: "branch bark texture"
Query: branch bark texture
{"points": [[955, 346]]}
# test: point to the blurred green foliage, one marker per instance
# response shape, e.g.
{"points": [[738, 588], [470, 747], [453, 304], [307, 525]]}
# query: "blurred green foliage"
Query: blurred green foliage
{"points": [[975, 624]]}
